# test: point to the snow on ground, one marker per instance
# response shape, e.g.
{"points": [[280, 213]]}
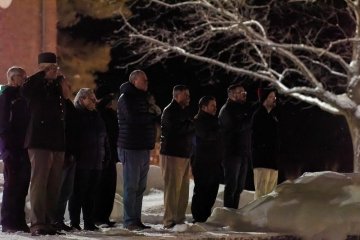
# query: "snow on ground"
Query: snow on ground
{"points": [[323, 205]]}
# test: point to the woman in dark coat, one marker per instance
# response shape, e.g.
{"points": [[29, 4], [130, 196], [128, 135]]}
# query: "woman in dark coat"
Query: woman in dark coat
{"points": [[89, 159], [206, 161]]}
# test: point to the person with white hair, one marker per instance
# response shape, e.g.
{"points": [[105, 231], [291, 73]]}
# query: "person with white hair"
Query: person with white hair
{"points": [[14, 117], [90, 158]]}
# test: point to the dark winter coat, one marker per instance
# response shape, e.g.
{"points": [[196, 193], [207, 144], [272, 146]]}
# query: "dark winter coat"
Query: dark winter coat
{"points": [[136, 123], [265, 139], [14, 118], [208, 148], [235, 124], [112, 129], [177, 131], [92, 140], [71, 132], [46, 128]]}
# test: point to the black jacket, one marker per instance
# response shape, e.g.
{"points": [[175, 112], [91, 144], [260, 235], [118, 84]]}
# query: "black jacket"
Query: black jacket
{"points": [[14, 118], [265, 139], [208, 147], [235, 124], [109, 117], [46, 129], [92, 140], [72, 128], [177, 130], [136, 123]]}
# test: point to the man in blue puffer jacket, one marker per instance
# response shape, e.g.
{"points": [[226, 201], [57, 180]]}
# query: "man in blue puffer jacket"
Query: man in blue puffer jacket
{"points": [[136, 118]]}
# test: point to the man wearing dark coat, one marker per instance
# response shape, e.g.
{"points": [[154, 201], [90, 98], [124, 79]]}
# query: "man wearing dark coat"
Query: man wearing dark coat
{"points": [[107, 187], [136, 138], [265, 144], [177, 131], [14, 118], [235, 124], [45, 140], [206, 160]]}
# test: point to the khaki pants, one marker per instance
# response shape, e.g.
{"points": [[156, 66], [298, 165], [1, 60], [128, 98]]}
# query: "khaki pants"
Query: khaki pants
{"points": [[46, 173], [265, 181], [175, 172]]}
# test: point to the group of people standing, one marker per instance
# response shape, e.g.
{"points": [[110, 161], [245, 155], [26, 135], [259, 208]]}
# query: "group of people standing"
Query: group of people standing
{"points": [[67, 150], [60, 148], [216, 148]]}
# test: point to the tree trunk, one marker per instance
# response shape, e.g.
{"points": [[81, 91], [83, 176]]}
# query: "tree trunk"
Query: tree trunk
{"points": [[354, 128]]}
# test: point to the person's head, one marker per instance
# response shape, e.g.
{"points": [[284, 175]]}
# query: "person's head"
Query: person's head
{"points": [[268, 98], [181, 95], [208, 105], [16, 76], [48, 63], [139, 79], [85, 98], [237, 93]]}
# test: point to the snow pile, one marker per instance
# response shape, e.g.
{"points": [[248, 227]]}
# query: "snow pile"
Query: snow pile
{"points": [[322, 205]]}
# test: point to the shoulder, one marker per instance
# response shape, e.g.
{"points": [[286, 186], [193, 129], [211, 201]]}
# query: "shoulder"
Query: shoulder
{"points": [[9, 91], [224, 110]]}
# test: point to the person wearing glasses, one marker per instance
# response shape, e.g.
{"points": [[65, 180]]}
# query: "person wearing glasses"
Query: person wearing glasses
{"points": [[45, 141], [14, 117], [235, 124], [90, 157]]}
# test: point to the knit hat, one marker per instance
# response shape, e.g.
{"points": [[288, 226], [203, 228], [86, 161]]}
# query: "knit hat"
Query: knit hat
{"points": [[263, 93], [47, 57]]}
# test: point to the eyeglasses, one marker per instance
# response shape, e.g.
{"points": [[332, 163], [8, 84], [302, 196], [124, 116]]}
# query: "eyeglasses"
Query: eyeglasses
{"points": [[92, 99], [241, 92], [53, 67]]}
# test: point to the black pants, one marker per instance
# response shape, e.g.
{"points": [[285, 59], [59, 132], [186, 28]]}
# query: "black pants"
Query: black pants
{"points": [[105, 195], [235, 169], [207, 180], [66, 190], [83, 197], [17, 171]]}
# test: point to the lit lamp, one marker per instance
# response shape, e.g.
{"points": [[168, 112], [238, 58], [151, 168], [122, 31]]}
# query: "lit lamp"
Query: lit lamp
{"points": [[5, 3]]}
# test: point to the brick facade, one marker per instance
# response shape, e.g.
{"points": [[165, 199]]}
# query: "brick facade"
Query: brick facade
{"points": [[27, 27]]}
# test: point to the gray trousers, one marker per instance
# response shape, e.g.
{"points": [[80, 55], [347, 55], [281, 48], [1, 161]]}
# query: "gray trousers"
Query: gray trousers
{"points": [[46, 173]]}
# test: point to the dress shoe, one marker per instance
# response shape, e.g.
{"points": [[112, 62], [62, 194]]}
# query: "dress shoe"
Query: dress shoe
{"points": [[169, 226], [91, 227], [133, 227], [6, 229], [41, 231], [105, 224], [24, 227], [62, 226], [76, 226], [143, 226]]}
